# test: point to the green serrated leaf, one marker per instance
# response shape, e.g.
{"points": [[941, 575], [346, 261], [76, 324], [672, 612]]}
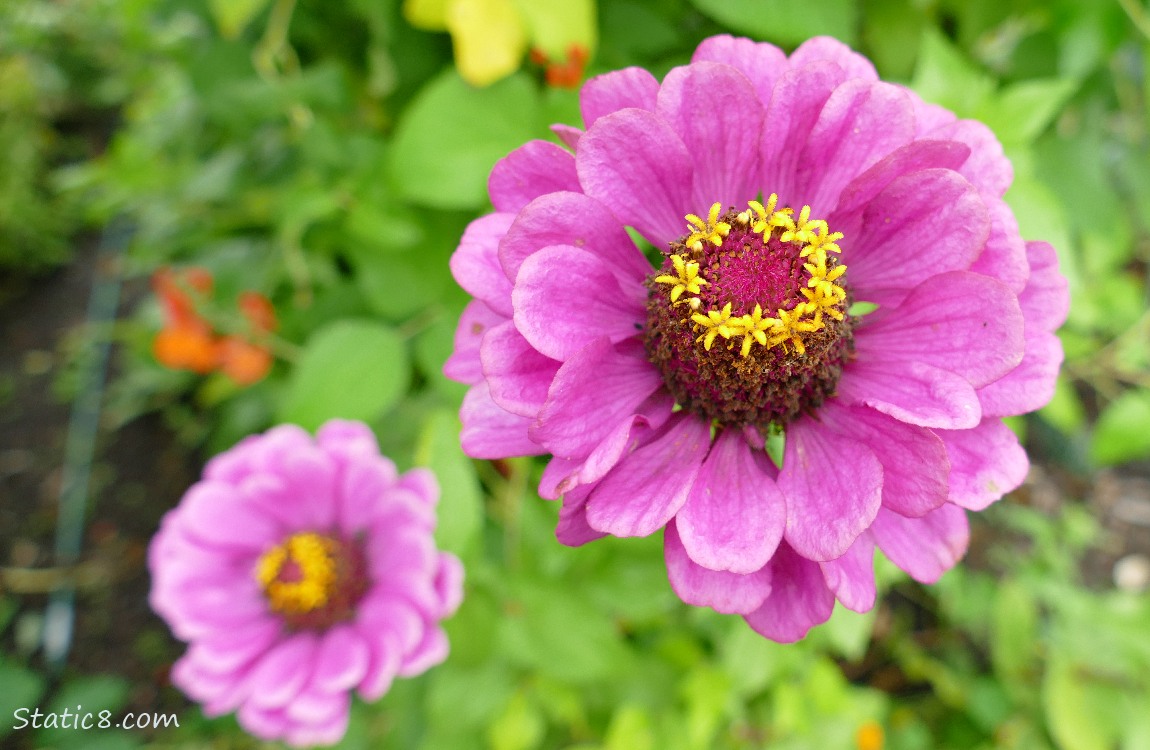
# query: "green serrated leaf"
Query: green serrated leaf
{"points": [[453, 133], [352, 369]]}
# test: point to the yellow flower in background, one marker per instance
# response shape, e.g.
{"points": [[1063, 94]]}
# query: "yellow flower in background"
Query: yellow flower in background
{"points": [[491, 36]]}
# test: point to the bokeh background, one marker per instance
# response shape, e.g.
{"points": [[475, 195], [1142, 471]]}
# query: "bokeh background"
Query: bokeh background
{"points": [[292, 176]]}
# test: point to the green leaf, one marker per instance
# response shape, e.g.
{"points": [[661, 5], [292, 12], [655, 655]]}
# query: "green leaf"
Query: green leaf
{"points": [[1022, 111], [849, 632], [233, 16], [452, 134], [460, 503], [1079, 710], [1120, 434], [789, 22], [520, 726], [19, 688], [352, 369], [630, 729], [562, 634], [944, 76], [82, 696], [1014, 632]]}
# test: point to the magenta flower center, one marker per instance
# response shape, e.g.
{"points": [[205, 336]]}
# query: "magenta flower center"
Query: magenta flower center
{"points": [[746, 319], [313, 581]]}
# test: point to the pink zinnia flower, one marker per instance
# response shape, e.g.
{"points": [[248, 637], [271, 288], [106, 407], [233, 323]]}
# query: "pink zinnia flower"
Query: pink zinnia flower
{"points": [[807, 185], [298, 570]]}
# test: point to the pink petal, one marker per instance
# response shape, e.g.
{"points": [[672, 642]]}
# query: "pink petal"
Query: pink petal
{"points": [[635, 163], [568, 134], [760, 62], [399, 557], [913, 157], [648, 487], [283, 671], [563, 475], [564, 299], [924, 547], [735, 513], [266, 724], [795, 106], [533, 169], [475, 263], [341, 661], [914, 462], [214, 514], [725, 592], [234, 648], [385, 657], [911, 392], [518, 376], [987, 167], [362, 489], [798, 601], [573, 529], [1046, 299], [860, 123], [315, 708], [432, 650], [598, 387], [463, 365], [832, 50], [347, 441], [326, 732], [620, 89], [724, 143], [491, 432], [1004, 256], [1029, 386], [960, 322], [234, 465], [449, 584], [929, 117], [833, 487], [920, 225], [986, 462], [572, 219], [851, 577]]}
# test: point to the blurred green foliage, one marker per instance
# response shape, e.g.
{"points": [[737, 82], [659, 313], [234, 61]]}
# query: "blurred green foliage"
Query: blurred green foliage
{"points": [[329, 156]]}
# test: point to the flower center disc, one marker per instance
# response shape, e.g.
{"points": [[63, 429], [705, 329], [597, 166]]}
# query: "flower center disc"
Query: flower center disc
{"points": [[746, 319], [313, 581]]}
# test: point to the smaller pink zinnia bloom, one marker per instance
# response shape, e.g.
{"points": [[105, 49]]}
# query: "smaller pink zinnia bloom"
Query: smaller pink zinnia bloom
{"points": [[297, 570]]}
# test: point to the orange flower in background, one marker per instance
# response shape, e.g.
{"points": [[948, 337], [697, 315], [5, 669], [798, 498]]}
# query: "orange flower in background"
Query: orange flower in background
{"points": [[567, 74], [259, 311], [189, 342], [242, 361], [870, 736], [184, 347]]}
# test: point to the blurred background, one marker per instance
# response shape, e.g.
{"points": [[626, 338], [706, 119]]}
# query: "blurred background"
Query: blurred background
{"points": [[217, 215]]}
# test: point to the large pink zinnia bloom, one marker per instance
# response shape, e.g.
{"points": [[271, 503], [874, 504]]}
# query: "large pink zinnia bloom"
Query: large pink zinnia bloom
{"points": [[298, 570], [654, 389]]}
